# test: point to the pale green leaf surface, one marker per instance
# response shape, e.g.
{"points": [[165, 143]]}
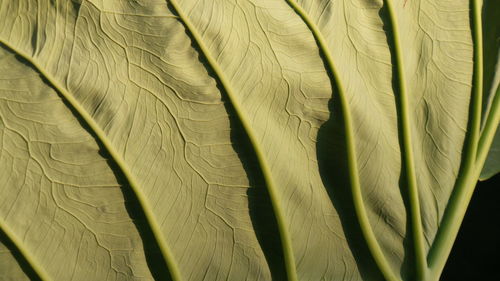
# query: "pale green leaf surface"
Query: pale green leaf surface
{"points": [[358, 44], [133, 70], [60, 198], [285, 104], [222, 118], [437, 46], [437, 55]]}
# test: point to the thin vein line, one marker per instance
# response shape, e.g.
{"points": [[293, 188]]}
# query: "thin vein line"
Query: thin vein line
{"points": [[466, 182], [286, 241], [407, 151], [37, 268], [359, 207], [101, 135]]}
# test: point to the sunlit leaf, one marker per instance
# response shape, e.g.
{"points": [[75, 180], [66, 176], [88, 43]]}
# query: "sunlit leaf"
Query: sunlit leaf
{"points": [[241, 139]]}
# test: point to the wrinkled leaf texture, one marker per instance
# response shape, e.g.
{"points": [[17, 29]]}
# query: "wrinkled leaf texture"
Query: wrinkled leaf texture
{"points": [[208, 140]]}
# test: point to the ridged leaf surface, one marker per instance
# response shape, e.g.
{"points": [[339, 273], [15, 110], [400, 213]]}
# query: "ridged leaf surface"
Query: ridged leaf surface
{"points": [[241, 139]]}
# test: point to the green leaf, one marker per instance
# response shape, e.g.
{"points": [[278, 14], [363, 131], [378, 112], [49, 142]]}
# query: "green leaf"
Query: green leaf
{"points": [[240, 139]]}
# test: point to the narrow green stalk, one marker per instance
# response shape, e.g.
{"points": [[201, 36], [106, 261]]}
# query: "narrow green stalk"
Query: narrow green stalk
{"points": [[286, 241], [101, 135], [478, 75], [466, 182], [359, 207], [407, 152], [37, 268]]}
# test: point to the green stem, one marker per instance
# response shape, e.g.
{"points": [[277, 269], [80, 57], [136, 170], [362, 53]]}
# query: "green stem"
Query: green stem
{"points": [[407, 152], [466, 182], [286, 241], [359, 207], [101, 136]]}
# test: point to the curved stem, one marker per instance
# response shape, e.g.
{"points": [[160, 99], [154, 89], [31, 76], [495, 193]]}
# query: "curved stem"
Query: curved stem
{"points": [[407, 152], [286, 241], [101, 136], [359, 207]]}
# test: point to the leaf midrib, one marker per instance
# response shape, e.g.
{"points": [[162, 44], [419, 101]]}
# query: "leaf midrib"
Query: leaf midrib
{"points": [[116, 157]]}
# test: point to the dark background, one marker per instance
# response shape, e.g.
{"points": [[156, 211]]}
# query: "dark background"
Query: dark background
{"points": [[476, 253]]}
